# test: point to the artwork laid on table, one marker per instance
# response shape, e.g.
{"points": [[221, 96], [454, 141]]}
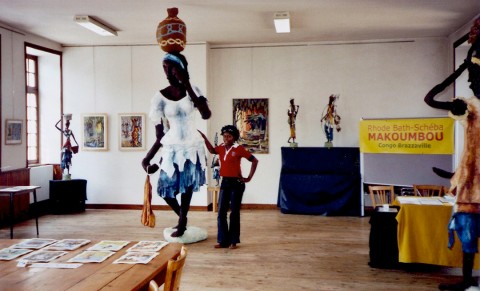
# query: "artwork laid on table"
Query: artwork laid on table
{"points": [[131, 131], [250, 116], [13, 131], [95, 129]]}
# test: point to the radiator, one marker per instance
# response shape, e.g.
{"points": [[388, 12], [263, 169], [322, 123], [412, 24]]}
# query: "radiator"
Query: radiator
{"points": [[41, 176]]}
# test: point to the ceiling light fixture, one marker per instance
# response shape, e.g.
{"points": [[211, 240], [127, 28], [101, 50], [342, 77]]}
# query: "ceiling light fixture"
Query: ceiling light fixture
{"points": [[95, 25], [282, 22]]}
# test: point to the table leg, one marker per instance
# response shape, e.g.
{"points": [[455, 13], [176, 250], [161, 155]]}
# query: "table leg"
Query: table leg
{"points": [[11, 215], [35, 210]]}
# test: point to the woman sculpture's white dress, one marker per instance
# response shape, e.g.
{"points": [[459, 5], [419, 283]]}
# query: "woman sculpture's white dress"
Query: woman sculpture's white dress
{"points": [[182, 157]]}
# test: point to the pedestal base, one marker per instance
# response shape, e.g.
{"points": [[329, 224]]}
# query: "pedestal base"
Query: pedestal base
{"points": [[328, 144], [193, 234], [293, 144], [66, 177], [67, 196]]}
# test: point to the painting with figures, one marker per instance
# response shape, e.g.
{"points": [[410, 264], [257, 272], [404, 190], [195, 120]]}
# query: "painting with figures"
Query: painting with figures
{"points": [[250, 116]]}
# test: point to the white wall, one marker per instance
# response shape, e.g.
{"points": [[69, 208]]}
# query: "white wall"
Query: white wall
{"points": [[373, 80], [13, 95], [113, 80]]}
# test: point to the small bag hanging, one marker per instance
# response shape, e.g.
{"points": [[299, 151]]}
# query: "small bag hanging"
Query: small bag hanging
{"points": [[148, 217]]}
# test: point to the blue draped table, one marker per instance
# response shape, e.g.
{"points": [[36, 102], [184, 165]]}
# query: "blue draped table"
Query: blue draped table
{"points": [[320, 181]]}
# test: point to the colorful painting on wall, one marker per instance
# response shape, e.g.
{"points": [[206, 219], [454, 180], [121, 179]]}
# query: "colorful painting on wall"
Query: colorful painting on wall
{"points": [[250, 116], [13, 131], [131, 131], [95, 132]]}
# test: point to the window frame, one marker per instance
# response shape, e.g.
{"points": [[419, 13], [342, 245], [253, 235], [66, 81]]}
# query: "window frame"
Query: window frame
{"points": [[32, 90], [49, 61]]}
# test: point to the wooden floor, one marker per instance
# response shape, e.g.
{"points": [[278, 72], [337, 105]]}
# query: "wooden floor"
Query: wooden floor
{"points": [[278, 251]]}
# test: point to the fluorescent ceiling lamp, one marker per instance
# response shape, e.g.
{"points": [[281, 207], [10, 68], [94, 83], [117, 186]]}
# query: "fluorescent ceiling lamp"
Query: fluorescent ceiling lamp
{"points": [[282, 22], [94, 25]]}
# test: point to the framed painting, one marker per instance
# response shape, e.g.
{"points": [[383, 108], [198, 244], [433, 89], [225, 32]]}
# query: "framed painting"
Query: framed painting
{"points": [[13, 131], [95, 129], [250, 116], [131, 127]]}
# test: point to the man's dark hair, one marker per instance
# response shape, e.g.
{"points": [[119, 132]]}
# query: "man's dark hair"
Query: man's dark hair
{"points": [[231, 130]]}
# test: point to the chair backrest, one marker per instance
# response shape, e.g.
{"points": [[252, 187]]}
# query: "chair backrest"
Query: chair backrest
{"points": [[381, 195], [174, 273], [428, 190]]}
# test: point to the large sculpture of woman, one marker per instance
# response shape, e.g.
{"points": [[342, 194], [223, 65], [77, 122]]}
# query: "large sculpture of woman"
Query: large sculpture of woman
{"points": [[465, 182], [182, 161]]}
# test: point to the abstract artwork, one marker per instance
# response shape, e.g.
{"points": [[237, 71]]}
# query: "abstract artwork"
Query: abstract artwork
{"points": [[95, 132], [250, 116], [131, 131]]}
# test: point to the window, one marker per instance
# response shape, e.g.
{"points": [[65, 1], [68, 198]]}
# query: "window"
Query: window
{"points": [[32, 109]]}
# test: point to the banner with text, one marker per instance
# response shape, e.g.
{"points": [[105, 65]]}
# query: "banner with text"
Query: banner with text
{"points": [[407, 136]]}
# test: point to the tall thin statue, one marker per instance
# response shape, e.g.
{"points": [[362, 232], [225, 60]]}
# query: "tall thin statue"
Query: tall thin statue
{"points": [[292, 117], [67, 148], [330, 119]]}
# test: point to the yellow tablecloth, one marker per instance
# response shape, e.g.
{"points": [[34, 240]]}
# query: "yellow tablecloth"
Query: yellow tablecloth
{"points": [[422, 236]]}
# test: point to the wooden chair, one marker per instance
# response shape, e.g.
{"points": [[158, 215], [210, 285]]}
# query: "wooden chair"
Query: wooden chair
{"points": [[381, 195], [428, 190], [215, 190], [173, 275]]}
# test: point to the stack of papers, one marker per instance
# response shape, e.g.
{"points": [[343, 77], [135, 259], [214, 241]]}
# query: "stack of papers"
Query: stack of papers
{"points": [[423, 200], [91, 257], [40, 252], [68, 244], [109, 245], [408, 200]]}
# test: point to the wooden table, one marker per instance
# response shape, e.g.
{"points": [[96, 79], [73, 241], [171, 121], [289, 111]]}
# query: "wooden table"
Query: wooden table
{"points": [[422, 235], [11, 191], [92, 276]]}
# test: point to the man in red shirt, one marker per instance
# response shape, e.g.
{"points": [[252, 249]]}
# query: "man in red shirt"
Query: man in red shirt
{"points": [[232, 187]]}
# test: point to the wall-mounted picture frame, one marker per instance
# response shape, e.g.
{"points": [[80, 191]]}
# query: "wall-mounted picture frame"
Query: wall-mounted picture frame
{"points": [[95, 132], [250, 116], [131, 131], [13, 131]]}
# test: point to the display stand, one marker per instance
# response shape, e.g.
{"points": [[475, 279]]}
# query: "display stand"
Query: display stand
{"points": [[322, 181], [68, 196]]}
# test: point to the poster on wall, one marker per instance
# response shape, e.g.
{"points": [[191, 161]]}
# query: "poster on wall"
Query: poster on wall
{"points": [[250, 116], [131, 131], [407, 136], [13, 131], [95, 132]]}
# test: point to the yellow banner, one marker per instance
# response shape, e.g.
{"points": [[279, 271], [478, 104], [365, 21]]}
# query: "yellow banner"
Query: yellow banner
{"points": [[407, 136]]}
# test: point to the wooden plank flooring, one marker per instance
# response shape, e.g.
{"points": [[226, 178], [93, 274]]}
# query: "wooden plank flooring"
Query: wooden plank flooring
{"points": [[278, 251]]}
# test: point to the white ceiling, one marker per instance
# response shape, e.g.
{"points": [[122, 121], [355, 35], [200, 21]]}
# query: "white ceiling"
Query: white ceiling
{"points": [[240, 22]]}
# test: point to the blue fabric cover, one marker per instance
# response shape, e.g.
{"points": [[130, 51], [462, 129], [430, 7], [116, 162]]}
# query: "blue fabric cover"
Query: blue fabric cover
{"points": [[320, 181]]}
